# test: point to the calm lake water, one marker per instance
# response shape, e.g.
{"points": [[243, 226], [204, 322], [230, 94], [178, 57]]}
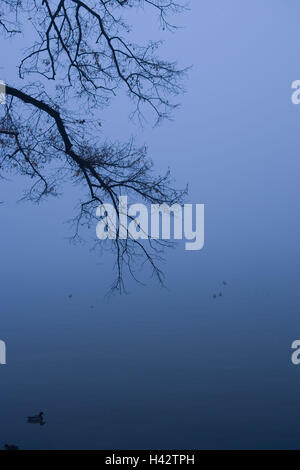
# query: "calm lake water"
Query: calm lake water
{"points": [[171, 369], [154, 372]]}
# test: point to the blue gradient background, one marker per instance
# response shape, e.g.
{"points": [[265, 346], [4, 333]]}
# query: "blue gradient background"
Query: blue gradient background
{"points": [[172, 368]]}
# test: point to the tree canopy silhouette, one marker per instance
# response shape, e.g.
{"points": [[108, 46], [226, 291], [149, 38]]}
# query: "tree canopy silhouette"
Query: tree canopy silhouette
{"points": [[81, 56]]}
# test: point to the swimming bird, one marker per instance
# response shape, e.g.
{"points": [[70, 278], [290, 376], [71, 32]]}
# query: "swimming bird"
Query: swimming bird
{"points": [[70, 296], [36, 419], [10, 447], [225, 283], [220, 294], [214, 296]]}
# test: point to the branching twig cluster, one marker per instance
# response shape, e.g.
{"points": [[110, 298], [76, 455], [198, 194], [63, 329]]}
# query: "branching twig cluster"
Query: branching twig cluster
{"points": [[83, 47]]}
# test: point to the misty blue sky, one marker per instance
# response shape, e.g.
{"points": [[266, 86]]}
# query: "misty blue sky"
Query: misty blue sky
{"points": [[172, 368]]}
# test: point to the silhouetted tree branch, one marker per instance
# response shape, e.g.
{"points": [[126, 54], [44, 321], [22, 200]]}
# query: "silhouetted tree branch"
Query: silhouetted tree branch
{"points": [[83, 47]]}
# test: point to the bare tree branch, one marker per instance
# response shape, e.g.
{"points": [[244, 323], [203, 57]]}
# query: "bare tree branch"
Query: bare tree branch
{"points": [[81, 46]]}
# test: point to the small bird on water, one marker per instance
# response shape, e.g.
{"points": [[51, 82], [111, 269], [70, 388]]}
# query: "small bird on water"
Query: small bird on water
{"points": [[36, 419], [10, 447]]}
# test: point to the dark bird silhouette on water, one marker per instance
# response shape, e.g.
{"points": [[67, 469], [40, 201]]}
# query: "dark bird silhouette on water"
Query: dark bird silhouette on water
{"points": [[70, 296], [220, 294], [225, 283], [37, 419], [10, 447], [214, 296]]}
